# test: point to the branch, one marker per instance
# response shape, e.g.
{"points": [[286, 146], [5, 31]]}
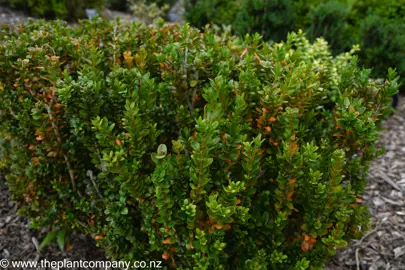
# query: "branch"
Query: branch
{"points": [[92, 178], [57, 134]]}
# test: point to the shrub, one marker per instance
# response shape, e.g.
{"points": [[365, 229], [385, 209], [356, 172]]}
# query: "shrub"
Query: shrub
{"points": [[272, 19], [142, 6], [209, 151], [62, 9], [147, 13], [121, 5], [376, 25], [199, 13]]}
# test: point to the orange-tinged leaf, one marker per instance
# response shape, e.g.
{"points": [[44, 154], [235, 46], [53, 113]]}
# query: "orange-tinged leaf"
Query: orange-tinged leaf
{"points": [[218, 227], [99, 237], [68, 248], [238, 201], [165, 256], [353, 205], [118, 142], [294, 148], [167, 241], [258, 59], [227, 227], [264, 110], [308, 243], [244, 52], [359, 200], [127, 134], [272, 119], [39, 138], [292, 181], [267, 128], [35, 160]]}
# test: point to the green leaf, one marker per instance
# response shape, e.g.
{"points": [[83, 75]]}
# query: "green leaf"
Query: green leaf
{"points": [[61, 239], [161, 152], [124, 211], [193, 83], [48, 239]]}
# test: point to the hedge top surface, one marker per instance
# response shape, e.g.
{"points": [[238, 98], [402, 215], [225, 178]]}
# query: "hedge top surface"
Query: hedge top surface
{"points": [[206, 150]]}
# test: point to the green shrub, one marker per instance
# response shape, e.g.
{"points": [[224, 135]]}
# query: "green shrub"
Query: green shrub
{"points": [[147, 13], [62, 9], [378, 26], [199, 13], [124, 5], [211, 152]]}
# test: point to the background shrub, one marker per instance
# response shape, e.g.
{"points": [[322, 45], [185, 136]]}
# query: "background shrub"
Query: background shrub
{"points": [[206, 150], [62, 9], [376, 25]]}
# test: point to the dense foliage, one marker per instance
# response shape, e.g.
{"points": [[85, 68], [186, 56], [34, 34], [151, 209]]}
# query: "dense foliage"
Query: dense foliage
{"points": [[139, 6], [206, 150], [377, 26], [62, 9]]}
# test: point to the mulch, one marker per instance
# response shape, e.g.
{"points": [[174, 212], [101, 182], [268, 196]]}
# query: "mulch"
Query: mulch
{"points": [[381, 248]]}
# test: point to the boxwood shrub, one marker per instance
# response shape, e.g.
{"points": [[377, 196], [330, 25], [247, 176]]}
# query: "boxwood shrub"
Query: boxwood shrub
{"points": [[204, 151]]}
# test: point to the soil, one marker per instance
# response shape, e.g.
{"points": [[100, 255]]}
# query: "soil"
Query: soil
{"points": [[382, 248]]}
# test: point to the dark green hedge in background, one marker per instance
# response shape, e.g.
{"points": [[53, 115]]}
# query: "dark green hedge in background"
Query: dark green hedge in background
{"points": [[377, 26], [61, 9]]}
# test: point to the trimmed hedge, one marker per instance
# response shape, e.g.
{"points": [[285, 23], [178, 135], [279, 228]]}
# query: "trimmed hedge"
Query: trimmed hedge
{"points": [[208, 151]]}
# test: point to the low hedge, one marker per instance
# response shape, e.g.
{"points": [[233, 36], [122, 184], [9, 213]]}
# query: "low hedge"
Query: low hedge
{"points": [[205, 151]]}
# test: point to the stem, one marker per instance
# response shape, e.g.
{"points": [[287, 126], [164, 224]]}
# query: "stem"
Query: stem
{"points": [[57, 134]]}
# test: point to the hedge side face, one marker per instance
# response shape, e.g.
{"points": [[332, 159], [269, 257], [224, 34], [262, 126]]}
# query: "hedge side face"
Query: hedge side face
{"points": [[211, 152]]}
